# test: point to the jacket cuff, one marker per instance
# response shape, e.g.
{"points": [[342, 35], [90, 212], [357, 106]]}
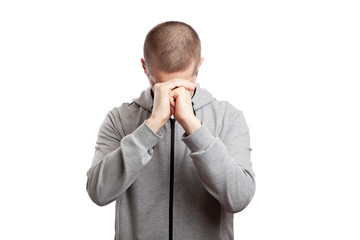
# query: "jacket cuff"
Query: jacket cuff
{"points": [[146, 137], [198, 140]]}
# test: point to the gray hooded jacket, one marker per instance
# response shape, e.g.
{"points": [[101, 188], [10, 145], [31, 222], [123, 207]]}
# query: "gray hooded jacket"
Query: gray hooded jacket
{"points": [[171, 185]]}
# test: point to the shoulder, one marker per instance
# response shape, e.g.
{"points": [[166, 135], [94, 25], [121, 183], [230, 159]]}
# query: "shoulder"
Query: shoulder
{"points": [[209, 104], [124, 109], [222, 117], [127, 117], [224, 109]]}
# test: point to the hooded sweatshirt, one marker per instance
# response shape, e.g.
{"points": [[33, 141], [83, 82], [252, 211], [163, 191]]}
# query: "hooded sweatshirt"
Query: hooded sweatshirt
{"points": [[170, 185]]}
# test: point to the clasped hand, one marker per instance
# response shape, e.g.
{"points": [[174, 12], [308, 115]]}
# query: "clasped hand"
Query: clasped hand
{"points": [[173, 98]]}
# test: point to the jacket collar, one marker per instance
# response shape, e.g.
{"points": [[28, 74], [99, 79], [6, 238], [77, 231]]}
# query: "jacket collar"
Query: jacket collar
{"points": [[201, 98]]}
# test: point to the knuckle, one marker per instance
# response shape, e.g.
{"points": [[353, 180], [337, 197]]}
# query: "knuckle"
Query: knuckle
{"points": [[182, 88], [158, 86]]}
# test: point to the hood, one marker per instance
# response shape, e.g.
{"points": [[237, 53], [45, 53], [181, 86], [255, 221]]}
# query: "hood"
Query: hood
{"points": [[201, 98]]}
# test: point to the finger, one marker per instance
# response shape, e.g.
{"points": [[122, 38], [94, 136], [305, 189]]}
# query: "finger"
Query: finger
{"points": [[179, 91], [172, 101], [181, 83]]}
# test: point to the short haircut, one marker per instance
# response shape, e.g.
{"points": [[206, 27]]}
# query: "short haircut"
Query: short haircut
{"points": [[172, 47]]}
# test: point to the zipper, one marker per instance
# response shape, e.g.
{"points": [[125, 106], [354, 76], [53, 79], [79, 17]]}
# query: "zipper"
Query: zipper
{"points": [[171, 195]]}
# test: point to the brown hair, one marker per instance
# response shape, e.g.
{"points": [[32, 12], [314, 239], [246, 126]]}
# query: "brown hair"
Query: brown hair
{"points": [[171, 47]]}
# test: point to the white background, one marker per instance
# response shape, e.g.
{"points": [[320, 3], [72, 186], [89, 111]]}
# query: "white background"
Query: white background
{"points": [[292, 67]]}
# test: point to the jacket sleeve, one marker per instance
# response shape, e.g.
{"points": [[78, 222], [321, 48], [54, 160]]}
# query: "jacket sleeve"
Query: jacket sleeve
{"points": [[118, 161], [224, 167]]}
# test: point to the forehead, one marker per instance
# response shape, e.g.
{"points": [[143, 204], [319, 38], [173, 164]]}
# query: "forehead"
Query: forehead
{"points": [[162, 76]]}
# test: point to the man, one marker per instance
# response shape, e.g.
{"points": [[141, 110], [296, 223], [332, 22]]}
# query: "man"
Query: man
{"points": [[175, 160]]}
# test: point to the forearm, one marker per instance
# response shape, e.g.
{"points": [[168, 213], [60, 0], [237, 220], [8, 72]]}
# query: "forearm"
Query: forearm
{"points": [[225, 179], [118, 169], [190, 124]]}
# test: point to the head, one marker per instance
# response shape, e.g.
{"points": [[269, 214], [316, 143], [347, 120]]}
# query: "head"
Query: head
{"points": [[171, 50]]}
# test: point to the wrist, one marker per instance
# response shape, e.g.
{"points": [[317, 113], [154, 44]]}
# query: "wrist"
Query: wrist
{"points": [[191, 125], [155, 124]]}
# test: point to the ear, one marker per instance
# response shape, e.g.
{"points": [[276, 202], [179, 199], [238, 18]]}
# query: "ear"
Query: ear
{"points": [[143, 65], [198, 66], [200, 62]]}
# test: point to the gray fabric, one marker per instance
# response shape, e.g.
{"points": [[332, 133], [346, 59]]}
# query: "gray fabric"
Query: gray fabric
{"points": [[213, 173]]}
